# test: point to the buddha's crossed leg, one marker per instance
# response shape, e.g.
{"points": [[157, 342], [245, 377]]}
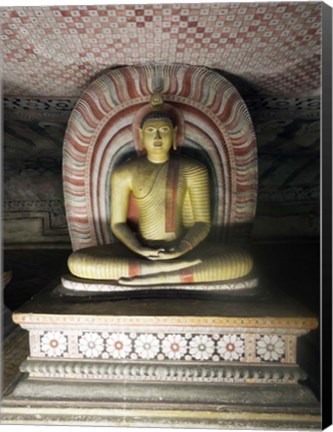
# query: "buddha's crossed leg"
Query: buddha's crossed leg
{"points": [[227, 265], [114, 262]]}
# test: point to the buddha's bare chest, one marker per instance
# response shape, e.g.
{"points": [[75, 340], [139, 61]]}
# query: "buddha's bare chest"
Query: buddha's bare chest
{"points": [[146, 178], [156, 182]]}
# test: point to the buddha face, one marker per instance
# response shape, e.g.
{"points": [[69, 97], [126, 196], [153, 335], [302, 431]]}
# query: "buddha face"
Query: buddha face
{"points": [[157, 137]]}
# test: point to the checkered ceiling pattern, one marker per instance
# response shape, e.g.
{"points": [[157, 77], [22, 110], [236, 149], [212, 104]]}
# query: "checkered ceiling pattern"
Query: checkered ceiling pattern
{"points": [[57, 51]]}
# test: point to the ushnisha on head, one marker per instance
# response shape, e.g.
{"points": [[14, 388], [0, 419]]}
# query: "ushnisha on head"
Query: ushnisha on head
{"points": [[158, 132]]}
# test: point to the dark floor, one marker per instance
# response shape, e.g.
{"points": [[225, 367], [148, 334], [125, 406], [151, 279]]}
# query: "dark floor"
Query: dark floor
{"points": [[293, 267]]}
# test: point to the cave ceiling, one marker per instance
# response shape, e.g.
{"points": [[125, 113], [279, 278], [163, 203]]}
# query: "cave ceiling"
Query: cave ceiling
{"points": [[267, 48]]}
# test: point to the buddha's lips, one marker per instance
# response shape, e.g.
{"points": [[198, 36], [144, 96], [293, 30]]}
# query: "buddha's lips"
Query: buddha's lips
{"points": [[158, 144]]}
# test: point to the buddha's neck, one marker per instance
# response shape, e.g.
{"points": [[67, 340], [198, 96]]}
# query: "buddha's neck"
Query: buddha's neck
{"points": [[158, 159]]}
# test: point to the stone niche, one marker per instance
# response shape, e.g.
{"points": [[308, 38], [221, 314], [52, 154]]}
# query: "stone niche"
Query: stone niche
{"points": [[224, 359]]}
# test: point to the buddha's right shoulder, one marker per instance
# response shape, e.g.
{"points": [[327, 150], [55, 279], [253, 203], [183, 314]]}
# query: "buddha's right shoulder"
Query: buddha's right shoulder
{"points": [[128, 167]]}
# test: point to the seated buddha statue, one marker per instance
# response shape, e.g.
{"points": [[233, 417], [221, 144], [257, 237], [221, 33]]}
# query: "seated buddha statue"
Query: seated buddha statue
{"points": [[172, 196]]}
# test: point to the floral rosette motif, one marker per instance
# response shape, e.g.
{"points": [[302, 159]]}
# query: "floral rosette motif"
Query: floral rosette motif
{"points": [[118, 345], [91, 345], [202, 347], [230, 347], [53, 344], [147, 346], [174, 347], [270, 348]]}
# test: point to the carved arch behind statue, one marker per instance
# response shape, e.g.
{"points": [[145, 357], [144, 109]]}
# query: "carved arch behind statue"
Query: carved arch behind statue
{"points": [[218, 130]]}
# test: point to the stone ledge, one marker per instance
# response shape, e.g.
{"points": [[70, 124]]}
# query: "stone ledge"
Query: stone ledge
{"points": [[269, 309], [229, 407]]}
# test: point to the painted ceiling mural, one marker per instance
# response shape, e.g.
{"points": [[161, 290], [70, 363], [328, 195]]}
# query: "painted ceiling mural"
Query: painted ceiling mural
{"points": [[271, 52], [56, 51]]}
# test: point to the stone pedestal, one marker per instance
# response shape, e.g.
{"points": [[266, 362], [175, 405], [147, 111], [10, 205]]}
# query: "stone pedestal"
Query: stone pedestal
{"points": [[195, 361]]}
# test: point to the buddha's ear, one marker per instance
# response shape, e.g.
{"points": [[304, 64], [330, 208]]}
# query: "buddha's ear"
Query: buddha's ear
{"points": [[174, 141], [140, 140]]}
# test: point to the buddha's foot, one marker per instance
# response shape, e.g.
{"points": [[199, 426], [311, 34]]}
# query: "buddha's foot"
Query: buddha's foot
{"points": [[145, 280], [161, 266], [169, 272]]}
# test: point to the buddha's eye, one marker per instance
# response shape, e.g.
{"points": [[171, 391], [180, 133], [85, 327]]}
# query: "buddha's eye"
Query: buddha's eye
{"points": [[150, 130], [165, 129]]}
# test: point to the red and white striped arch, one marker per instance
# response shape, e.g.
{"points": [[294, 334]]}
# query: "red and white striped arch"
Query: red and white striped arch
{"points": [[217, 128]]}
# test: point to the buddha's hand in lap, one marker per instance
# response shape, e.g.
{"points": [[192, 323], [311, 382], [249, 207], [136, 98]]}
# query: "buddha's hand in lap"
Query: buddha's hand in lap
{"points": [[149, 253], [168, 254], [161, 254], [176, 252]]}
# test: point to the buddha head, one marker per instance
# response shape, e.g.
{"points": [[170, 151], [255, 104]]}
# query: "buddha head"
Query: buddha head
{"points": [[158, 135]]}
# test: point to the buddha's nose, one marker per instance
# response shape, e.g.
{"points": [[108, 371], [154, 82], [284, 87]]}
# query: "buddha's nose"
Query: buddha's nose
{"points": [[157, 136]]}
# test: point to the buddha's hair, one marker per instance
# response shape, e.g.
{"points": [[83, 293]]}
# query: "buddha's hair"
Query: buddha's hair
{"points": [[153, 115]]}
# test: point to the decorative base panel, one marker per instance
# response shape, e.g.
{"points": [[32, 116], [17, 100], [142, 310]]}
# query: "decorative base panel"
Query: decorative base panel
{"points": [[185, 362]]}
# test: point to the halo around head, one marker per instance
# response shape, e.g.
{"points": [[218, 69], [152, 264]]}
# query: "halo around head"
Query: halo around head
{"points": [[156, 104]]}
